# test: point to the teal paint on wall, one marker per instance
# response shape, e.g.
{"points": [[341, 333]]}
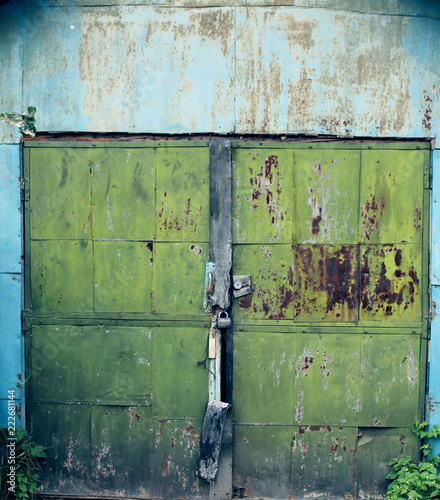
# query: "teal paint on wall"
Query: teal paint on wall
{"points": [[433, 406], [10, 340], [278, 70], [11, 219], [131, 69], [433, 389], [11, 52]]}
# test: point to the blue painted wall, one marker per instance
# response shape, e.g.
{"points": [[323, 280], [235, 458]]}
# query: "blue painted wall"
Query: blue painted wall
{"points": [[11, 282], [339, 67], [433, 402]]}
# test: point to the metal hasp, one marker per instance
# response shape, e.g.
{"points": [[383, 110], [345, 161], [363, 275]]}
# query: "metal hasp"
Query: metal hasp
{"points": [[242, 285]]}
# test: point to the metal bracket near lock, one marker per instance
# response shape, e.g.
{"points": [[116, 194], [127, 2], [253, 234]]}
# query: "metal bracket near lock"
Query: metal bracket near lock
{"points": [[242, 285]]}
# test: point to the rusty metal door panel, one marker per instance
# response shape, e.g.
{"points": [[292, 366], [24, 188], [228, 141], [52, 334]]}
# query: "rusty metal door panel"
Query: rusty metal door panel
{"points": [[103, 348], [327, 380], [391, 196], [262, 187], [264, 378], [115, 364], [390, 380], [271, 267], [121, 449], [356, 286], [61, 274], [65, 432], [123, 181], [392, 282], [178, 270], [326, 283], [122, 276], [182, 194], [379, 447], [60, 198], [262, 456], [326, 191], [323, 462], [176, 448], [327, 349]]}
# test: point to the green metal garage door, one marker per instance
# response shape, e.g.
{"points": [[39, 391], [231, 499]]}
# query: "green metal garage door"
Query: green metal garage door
{"points": [[329, 349]]}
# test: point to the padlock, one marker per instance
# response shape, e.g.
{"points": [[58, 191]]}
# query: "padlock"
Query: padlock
{"points": [[223, 320]]}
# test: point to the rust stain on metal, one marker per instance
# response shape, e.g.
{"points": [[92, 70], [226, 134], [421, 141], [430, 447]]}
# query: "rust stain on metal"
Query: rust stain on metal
{"points": [[370, 211], [170, 220], [272, 293], [133, 416], [426, 121], [433, 307], [304, 449], [99, 469], [307, 363], [326, 282], [316, 221], [384, 289], [166, 464], [299, 410], [402, 442], [263, 189], [293, 442], [417, 219]]}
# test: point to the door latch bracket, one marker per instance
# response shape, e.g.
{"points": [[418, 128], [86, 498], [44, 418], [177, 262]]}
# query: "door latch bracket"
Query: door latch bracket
{"points": [[242, 285]]}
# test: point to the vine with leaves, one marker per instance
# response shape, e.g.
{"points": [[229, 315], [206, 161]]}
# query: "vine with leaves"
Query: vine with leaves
{"points": [[25, 121]]}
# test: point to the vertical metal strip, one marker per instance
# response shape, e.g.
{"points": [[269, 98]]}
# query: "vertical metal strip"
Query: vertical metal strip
{"points": [[27, 329], [220, 243], [221, 255], [221, 219]]}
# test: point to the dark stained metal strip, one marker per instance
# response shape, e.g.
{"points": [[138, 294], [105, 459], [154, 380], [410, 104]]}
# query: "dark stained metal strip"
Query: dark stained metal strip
{"points": [[221, 220]]}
